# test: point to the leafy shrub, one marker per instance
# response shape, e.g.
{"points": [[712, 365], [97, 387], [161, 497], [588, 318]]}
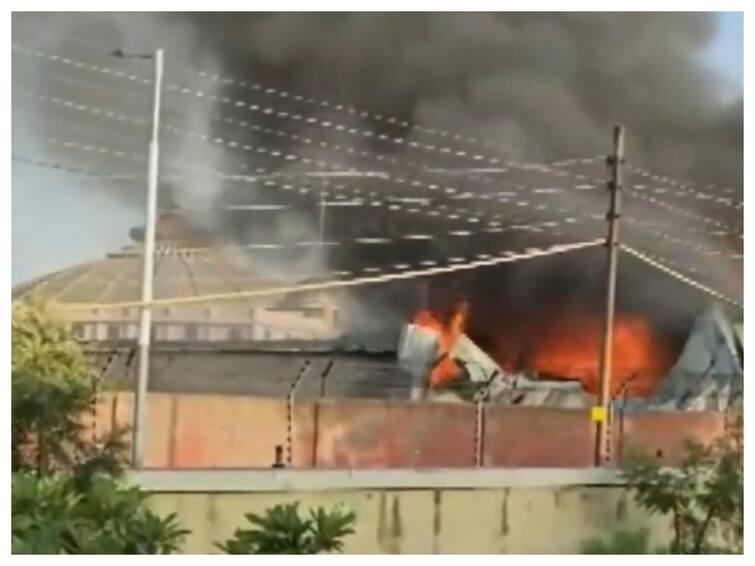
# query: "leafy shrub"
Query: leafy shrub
{"points": [[704, 495], [52, 388], [619, 542], [50, 515], [66, 494], [283, 531]]}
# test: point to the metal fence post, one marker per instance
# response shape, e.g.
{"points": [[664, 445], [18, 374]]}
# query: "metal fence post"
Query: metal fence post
{"points": [[481, 397], [316, 431], [290, 413]]}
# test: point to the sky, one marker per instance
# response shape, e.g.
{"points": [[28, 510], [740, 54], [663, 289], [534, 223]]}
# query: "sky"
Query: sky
{"points": [[726, 53], [41, 197]]}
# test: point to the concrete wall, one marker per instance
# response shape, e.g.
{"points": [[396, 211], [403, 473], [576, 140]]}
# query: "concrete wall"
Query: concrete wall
{"points": [[414, 512], [224, 431]]}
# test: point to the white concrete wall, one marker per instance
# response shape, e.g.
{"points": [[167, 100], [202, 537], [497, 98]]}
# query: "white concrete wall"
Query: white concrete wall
{"points": [[414, 512]]}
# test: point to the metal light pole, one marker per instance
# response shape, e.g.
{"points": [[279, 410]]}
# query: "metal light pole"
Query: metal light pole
{"points": [[601, 414], [145, 318]]}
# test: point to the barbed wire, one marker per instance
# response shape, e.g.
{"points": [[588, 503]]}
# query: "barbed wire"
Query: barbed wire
{"points": [[285, 114], [321, 164], [289, 156], [492, 229], [67, 169], [679, 276], [639, 192], [683, 242], [681, 188], [301, 139], [689, 188], [184, 90], [284, 95], [683, 212], [458, 211]]}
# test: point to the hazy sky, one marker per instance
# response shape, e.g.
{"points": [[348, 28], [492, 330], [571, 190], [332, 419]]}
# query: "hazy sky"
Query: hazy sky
{"points": [[41, 198], [726, 53]]}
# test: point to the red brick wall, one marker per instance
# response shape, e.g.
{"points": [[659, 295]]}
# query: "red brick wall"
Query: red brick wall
{"points": [[219, 431], [538, 437]]}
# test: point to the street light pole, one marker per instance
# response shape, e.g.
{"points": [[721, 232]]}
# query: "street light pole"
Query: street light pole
{"points": [[145, 319]]}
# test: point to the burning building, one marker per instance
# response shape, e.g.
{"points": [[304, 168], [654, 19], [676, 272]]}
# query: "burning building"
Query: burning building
{"points": [[559, 367]]}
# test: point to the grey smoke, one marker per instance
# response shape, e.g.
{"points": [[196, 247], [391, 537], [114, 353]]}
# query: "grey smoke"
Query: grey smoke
{"points": [[537, 86]]}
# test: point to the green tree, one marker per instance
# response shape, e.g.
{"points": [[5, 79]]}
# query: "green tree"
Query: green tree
{"points": [[704, 495], [67, 492], [52, 389], [283, 531]]}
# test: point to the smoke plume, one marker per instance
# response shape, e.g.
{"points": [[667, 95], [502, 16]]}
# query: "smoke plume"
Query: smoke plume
{"points": [[533, 86]]}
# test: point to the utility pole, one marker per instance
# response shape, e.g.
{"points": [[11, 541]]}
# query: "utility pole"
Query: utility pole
{"points": [[145, 319], [601, 414]]}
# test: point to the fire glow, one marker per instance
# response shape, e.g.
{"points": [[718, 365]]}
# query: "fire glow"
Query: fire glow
{"points": [[556, 344], [448, 330], [572, 350]]}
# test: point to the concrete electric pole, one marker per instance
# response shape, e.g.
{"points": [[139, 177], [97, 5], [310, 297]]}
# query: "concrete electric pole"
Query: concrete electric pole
{"points": [[601, 414]]}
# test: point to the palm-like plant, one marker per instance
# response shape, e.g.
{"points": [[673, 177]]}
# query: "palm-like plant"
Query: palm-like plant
{"points": [[281, 530]]}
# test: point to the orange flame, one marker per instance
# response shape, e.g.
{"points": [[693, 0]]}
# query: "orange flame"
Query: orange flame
{"points": [[564, 345], [569, 350], [448, 329]]}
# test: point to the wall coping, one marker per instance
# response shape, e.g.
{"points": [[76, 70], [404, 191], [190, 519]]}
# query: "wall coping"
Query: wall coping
{"points": [[255, 480]]}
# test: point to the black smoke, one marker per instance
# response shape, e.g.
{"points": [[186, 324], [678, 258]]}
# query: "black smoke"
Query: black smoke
{"points": [[535, 86]]}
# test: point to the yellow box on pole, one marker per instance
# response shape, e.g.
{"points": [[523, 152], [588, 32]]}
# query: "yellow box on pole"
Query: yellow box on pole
{"points": [[598, 414]]}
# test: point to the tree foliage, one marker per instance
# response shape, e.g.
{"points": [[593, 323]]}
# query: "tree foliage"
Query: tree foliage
{"points": [[67, 495], [51, 515], [619, 542], [704, 495], [52, 389], [281, 530]]}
